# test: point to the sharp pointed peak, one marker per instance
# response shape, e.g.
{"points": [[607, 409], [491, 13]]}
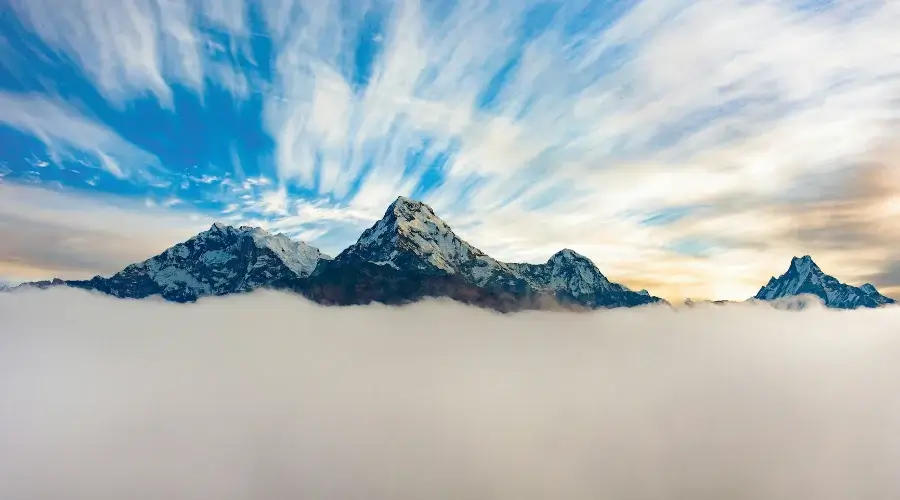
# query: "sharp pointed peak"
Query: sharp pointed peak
{"points": [[405, 201], [403, 211], [804, 263], [408, 219], [409, 206]]}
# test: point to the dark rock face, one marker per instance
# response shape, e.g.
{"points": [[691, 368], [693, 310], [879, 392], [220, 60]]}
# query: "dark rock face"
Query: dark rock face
{"points": [[365, 283], [804, 277]]}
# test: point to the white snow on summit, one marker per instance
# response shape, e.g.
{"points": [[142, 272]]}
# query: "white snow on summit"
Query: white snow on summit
{"points": [[221, 260], [570, 271], [802, 269], [412, 226]]}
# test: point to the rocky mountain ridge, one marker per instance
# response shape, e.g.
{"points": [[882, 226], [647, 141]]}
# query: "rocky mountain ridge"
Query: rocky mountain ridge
{"points": [[407, 255]]}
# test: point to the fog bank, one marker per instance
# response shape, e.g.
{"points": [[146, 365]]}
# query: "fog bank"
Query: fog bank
{"points": [[266, 396]]}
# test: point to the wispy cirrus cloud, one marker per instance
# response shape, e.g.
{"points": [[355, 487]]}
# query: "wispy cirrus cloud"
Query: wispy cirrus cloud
{"points": [[129, 47], [66, 132], [626, 130]]}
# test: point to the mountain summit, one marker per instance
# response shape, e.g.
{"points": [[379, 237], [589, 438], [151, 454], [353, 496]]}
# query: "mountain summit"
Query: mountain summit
{"points": [[804, 276], [218, 261], [411, 237], [573, 278]]}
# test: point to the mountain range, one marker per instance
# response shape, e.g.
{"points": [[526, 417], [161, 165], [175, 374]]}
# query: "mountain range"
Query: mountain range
{"points": [[407, 255]]}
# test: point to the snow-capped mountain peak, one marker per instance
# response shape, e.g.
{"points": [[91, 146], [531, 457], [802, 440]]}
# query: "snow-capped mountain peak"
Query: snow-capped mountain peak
{"points": [[573, 276], [572, 271], [415, 220], [298, 256], [411, 208], [220, 260], [804, 277], [804, 266], [411, 228], [869, 289]]}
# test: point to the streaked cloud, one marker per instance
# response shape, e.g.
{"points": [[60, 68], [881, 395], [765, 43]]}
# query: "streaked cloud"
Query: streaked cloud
{"points": [[66, 133]]}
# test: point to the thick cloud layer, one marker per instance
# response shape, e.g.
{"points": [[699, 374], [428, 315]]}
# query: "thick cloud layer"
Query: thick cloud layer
{"points": [[265, 396]]}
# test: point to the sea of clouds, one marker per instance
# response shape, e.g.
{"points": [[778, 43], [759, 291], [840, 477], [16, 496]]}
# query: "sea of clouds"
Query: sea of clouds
{"points": [[267, 397]]}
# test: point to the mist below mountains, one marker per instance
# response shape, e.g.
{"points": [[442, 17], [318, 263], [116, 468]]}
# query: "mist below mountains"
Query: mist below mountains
{"points": [[266, 395]]}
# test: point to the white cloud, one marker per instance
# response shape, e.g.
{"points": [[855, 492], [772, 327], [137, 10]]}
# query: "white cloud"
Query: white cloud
{"points": [[126, 47], [65, 131], [229, 399]]}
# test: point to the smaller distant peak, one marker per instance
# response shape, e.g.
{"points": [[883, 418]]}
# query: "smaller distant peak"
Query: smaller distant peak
{"points": [[869, 289], [644, 292]]}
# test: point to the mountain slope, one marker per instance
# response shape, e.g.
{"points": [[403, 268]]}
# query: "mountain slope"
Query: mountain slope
{"points": [[574, 279], [411, 237], [218, 261], [407, 255], [805, 277], [410, 253]]}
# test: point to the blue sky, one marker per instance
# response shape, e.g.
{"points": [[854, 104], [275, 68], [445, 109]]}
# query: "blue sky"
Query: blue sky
{"points": [[690, 148]]}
